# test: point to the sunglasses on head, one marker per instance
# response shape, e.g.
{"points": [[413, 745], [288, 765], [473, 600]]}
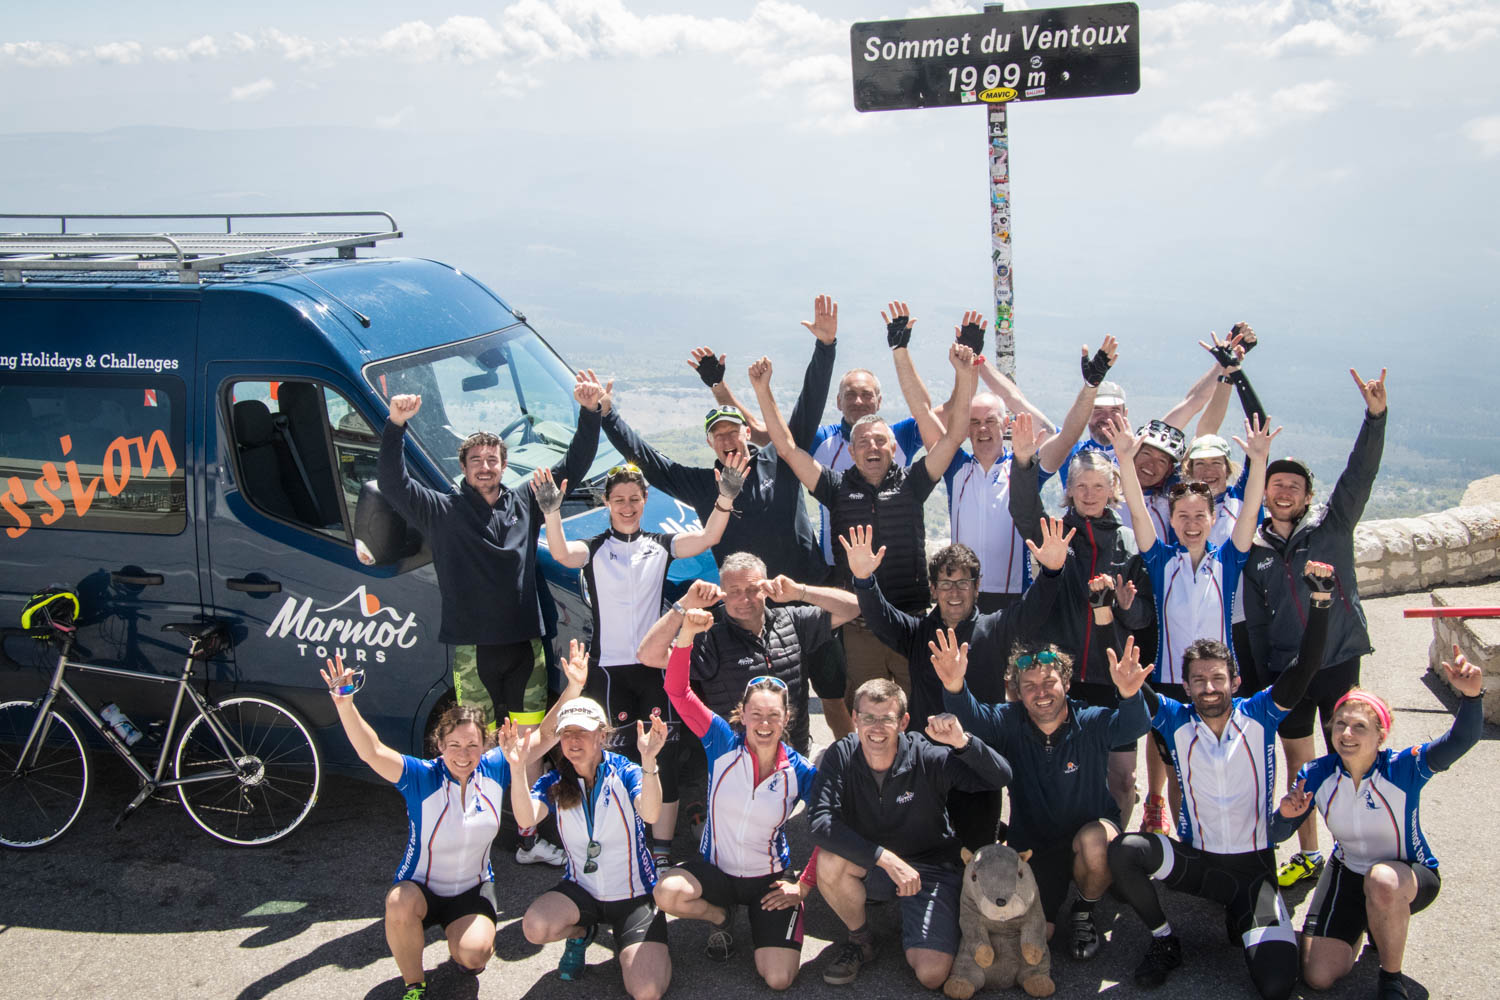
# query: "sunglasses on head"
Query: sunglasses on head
{"points": [[1041, 658], [776, 682], [1183, 489], [628, 469]]}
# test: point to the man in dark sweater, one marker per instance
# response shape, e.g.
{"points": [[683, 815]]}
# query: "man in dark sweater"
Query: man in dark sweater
{"points": [[879, 492], [1061, 807], [879, 817], [483, 540]]}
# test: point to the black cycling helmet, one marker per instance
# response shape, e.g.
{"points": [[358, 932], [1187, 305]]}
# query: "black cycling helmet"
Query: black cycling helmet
{"points": [[53, 608]]}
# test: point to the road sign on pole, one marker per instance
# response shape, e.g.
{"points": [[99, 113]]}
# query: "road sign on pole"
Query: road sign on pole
{"points": [[994, 59]]}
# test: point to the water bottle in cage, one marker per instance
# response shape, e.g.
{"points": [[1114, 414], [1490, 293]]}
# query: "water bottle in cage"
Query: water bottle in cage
{"points": [[122, 726]]}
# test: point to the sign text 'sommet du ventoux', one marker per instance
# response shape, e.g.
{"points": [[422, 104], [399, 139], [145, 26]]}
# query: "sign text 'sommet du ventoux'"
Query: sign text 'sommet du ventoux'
{"points": [[997, 56]]}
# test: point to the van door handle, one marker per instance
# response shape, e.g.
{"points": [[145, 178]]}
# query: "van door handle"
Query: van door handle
{"points": [[141, 580], [249, 586]]}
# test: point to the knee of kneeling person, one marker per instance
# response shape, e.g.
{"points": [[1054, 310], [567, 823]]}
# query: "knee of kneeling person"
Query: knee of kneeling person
{"points": [[535, 928], [779, 977], [647, 991], [403, 902], [832, 866], [1383, 887], [1092, 845], [1319, 975], [932, 970], [472, 958], [670, 893], [1127, 852]]}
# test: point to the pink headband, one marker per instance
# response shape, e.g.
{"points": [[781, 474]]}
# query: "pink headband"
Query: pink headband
{"points": [[1364, 698]]}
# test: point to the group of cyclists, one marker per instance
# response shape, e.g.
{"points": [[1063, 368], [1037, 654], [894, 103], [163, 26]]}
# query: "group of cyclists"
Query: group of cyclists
{"points": [[1209, 606]]}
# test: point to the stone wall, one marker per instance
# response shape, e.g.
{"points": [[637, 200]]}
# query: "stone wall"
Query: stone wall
{"points": [[1455, 546], [1477, 638]]}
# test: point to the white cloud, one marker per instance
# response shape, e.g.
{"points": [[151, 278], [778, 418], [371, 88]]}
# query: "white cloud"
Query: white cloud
{"points": [[36, 54], [198, 48], [1241, 115], [252, 91], [117, 52], [1484, 132], [1319, 37]]}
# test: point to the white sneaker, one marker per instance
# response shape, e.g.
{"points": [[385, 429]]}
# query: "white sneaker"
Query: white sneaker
{"points": [[542, 852]]}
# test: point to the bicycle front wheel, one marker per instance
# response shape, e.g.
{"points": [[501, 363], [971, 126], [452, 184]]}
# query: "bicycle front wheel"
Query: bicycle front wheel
{"points": [[40, 796], [251, 774]]}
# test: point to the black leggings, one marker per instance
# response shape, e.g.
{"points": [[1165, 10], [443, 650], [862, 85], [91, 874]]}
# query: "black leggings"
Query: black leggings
{"points": [[1245, 883], [634, 692]]}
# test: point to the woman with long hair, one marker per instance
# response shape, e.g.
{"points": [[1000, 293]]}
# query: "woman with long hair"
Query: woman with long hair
{"points": [[754, 784], [603, 802], [453, 805]]}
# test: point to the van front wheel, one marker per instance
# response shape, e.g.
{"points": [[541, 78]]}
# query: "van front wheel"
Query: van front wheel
{"points": [[251, 771]]}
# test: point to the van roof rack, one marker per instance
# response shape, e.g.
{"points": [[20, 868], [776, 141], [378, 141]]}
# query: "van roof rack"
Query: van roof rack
{"points": [[189, 251]]}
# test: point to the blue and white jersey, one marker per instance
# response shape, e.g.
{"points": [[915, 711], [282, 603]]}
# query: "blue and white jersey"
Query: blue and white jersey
{"points": [[744, 833], [1087, 444], [623, 868], [1376, 821], [979, 513], [830, 446], [1227, 782], [1191, 603], [449, 831]]}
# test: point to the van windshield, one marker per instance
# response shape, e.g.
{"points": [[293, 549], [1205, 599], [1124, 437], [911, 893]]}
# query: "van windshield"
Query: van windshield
{"points": [[508, 382]]}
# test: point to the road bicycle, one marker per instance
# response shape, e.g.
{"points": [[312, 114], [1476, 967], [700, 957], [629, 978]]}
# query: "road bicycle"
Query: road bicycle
{"points": [[246, 769]]}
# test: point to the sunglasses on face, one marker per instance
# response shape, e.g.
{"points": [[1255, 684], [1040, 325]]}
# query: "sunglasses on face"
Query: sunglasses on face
{"points": [[1042, 658]]}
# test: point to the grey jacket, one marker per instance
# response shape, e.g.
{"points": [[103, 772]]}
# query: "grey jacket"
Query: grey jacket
{"points": [[1275, 594]]}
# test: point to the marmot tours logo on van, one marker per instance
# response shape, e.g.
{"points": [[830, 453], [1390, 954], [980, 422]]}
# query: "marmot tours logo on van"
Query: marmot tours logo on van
{"points": [[362, 626]]}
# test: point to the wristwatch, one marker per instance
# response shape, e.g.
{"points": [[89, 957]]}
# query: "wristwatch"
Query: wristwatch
{"points": [[677, 607]]}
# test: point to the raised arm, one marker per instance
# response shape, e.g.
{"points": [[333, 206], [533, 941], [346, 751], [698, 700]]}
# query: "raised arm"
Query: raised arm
{"points": [[1346, 504], [692, 486], [710, 368], [575, 670], [1257, 450], [1228, 355], [965, 379], [892, 626], [574, 466], [549, 497], [690, 708], [1055, 451], [898, 328], [1196, 399], [382, 759], [1468, 724], [813, 399], [806, 468], [1126, 444], [1026, 509], [731, 479], [417, 503], [657, 643], [1289, 688], [841, 605]]}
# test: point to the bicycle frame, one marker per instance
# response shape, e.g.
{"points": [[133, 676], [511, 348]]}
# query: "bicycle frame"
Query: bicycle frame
{"points": [[147, 778]]}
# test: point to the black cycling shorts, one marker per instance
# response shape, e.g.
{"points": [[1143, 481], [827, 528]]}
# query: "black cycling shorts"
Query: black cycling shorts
{"points": [[633, 692], [633, 920], [1327, 687], [1337, 908], [443, 910], [768, 928]]}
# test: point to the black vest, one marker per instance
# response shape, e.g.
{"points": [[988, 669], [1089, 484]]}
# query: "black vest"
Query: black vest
{"points": [[896, 514], [777, 651]]}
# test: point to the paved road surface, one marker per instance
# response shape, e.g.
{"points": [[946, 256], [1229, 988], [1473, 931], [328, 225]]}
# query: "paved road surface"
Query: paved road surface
{"points": [[160, 910]]}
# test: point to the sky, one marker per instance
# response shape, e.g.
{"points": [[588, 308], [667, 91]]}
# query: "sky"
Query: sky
{"points": [[640, 176]]}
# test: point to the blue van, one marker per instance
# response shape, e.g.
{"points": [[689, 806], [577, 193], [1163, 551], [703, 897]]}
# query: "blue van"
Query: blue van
{"points": [[189, 424]]}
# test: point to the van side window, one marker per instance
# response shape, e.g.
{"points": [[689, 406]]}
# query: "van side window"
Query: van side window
{"points": [[300, 448], [92, 453]]}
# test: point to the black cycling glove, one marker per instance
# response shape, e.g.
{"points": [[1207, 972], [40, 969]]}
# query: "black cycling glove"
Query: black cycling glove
{"points": [[972, 337], [898, 332], [711, 370], [1319, 584], [1095, 368], [1249, 343], [1102, 598]]}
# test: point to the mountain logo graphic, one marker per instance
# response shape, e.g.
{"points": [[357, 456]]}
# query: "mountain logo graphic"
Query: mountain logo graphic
{"points": [[367, 603]]}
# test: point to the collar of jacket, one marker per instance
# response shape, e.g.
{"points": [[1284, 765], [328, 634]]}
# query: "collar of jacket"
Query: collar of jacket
{"points": [[1067, 729], [1107, 519], [1311, 518], [906, 752], [622, 536], [477, 499]]}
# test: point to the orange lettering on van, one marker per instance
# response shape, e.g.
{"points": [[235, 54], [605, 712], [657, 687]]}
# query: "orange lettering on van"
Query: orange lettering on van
{"points": [[47, 486], [11, 499], [83, 498]]}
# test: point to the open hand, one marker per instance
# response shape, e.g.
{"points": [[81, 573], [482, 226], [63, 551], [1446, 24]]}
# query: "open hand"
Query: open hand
{"points": [[732, 477], [650, 741], [825, 321], [710, 368], [1122, 439], [339, 678], [1373, 391], [549, 496], [1126, 670], [950, 659], [1053, 551], [1026, 437], [513, 744], [863, 562], [1124, 593], [576, 668], [785, 895], [971, 333], [898, 325], [1095, 368], [1260, 437]]}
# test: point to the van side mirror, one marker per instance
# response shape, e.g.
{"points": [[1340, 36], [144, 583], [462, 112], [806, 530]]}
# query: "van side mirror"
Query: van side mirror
{"points": [[384, 533]]}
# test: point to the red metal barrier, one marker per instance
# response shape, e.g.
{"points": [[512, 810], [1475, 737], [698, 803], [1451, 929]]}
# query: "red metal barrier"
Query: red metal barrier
{"points": [[1451, 613]]}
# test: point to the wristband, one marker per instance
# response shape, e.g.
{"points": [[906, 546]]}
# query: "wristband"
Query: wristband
{"points": [[677, 607], [724, 510], [1226, 380], [657, 771]]}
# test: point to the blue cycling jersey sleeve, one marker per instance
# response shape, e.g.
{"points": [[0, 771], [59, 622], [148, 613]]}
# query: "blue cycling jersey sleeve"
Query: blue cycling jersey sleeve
{"points": [[494, 766], [630, 776], [805, 772], [543, 785], [418, 778], [1468, 726], [908, 436], [719, 740]]}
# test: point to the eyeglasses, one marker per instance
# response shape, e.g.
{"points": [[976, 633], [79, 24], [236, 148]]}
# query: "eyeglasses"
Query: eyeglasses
{"points": [[776, 682], [947, 585], [1183, 489], [628, 469], [876, 721], [1041, 657], [591, 865]]}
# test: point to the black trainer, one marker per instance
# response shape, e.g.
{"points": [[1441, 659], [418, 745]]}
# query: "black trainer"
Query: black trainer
{"points": [[1391, 987], [1164, 955]]}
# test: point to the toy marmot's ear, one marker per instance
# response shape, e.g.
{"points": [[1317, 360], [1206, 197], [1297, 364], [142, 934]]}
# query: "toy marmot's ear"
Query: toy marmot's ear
{"points": [[1025, 855], [966, 854]]}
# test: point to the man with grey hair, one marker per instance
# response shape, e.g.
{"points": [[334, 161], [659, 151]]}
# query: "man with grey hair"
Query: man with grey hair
{"points": [[753, 639]]}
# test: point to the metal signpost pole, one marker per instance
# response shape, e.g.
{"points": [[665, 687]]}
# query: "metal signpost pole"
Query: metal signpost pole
{"points": [[997, 58], [1004, 355]]}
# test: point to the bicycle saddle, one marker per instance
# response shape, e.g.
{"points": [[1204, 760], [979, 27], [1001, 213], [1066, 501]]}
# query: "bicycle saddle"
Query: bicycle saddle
{"points": [[209, 638]]}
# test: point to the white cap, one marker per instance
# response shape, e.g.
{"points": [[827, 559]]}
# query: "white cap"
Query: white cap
{"points": [[583, 713], [1109, 394]]}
